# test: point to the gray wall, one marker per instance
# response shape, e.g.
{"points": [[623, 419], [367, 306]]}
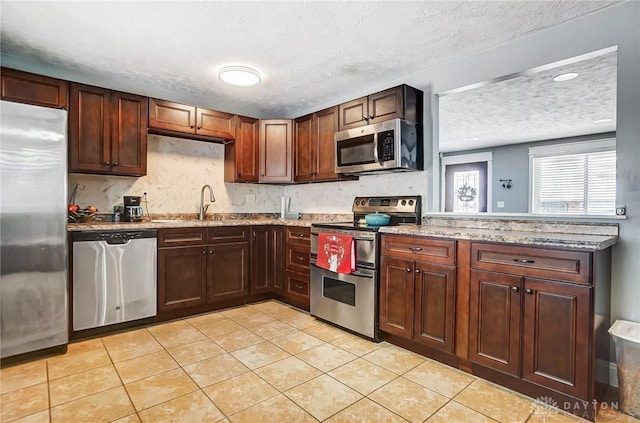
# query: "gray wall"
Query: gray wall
{"points": [[512, 162], [614, 26]]}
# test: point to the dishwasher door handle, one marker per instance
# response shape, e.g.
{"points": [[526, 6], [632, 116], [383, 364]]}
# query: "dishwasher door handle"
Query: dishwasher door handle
{"points": [[121, 241]]}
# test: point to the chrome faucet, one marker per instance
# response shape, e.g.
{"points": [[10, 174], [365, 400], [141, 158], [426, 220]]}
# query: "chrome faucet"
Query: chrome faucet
{"points": [[204, 207]]}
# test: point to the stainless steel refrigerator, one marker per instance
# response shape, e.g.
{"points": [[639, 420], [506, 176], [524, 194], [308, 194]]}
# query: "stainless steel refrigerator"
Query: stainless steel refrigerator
{"points": [[33, 228]]}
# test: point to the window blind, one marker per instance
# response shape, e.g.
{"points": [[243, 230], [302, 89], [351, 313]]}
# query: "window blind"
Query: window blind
{"points": [[576, 183]]}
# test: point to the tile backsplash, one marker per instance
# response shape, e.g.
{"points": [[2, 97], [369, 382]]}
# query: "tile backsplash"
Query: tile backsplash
{"points": [[176, 171]]}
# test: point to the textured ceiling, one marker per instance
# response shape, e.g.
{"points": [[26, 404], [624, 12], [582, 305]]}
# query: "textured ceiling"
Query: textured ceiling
{"points": [[309, 53], [532, 107]]}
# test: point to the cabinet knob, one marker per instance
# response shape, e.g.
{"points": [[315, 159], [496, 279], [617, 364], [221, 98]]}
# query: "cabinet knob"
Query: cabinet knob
{"points": [[210, 252], [204, 252], [408, 270], [415, 248], [371, 116], [417, 271], [298, 286], [107, 163], [199, 127], [529, 291], [300, 258], [116, 163], [192, 126], [515, 289], [365, 118], [300, 235]]}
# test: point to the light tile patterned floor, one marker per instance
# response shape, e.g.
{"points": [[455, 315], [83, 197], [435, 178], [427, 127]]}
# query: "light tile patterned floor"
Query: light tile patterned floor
{"points": [[264, 362]]}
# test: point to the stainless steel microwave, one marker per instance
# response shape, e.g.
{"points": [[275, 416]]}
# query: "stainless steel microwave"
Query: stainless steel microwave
{"points": [[393, 145]]}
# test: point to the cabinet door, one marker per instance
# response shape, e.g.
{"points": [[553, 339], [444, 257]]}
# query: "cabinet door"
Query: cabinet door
{"points": [[396, 296], [434, 318], [241, 157], [304, 149], [276, 235], [386, 105], [29, 88], [182, 277], [212, 123], [494, 320], [354, 113], [556, 336], [89, 129], [276, 150], [261, 261], [172, 116], [128, 134], [227, 271], [325, 125]]}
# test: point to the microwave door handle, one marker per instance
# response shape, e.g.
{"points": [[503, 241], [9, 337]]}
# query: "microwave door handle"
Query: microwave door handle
{"points": [[375, 148]]}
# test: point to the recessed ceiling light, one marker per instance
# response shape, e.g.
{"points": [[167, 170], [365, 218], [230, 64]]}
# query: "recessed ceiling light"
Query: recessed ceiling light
{"points": [[474, 138], [565, 76], [604, 120], [239, 75]]}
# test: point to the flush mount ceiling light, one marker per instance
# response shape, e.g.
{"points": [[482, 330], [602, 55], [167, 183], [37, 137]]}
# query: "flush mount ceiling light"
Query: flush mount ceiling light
{"points": [[565, 76], [475, 139], [239, 75], [603, 120]]}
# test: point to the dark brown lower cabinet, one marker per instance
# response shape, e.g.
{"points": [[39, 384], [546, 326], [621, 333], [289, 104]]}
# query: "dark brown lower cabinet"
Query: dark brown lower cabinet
{"points": [[182, 277], [227, 271], [531, 328], [417, 297], [201, 267], [267, 260]]}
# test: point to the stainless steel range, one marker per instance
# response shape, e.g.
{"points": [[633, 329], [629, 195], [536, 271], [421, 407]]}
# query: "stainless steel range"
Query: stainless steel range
{"points": [[351, 300]]}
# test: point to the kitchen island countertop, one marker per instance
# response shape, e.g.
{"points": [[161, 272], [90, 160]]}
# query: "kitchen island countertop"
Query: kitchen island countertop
{"points": [[540, 238]]}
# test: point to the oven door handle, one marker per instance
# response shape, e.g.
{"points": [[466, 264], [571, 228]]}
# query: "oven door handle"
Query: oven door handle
{"points": [[356, 273], [357, 238]]}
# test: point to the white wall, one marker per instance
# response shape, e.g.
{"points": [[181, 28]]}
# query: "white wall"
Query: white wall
{"points": [[176, 171]]}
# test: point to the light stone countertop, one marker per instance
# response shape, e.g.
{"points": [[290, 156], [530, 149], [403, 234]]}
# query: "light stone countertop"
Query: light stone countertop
{"points": [[110, 226], [546, 239]]}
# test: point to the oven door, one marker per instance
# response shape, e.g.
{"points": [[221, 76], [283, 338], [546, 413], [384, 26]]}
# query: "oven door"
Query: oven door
{"points": [[349, 300]]}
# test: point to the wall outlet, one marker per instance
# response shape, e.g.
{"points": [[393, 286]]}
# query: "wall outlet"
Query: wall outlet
{"points": [[250, 198], [621, 210], [500, 204]]}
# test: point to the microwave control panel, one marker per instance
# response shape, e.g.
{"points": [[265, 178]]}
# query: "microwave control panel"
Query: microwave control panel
{"points": [[387, 143]]}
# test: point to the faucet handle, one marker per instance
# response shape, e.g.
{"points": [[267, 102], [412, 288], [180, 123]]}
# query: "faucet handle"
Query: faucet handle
{"points": [[204, 208]]}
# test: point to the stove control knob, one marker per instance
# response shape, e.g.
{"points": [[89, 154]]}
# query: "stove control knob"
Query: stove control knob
{"points": [[404, 202], [411, 202]]}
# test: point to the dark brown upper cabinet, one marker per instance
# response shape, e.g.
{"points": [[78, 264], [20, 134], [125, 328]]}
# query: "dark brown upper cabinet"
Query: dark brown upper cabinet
{"points": [[402, 102], [38, 90], [107, 131], [314, 147], [276, 151], [241, 156], [184, 121]]}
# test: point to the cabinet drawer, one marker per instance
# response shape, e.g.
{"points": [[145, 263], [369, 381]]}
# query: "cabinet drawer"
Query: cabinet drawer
{"points": [[227, 234], [422, 249], [297, 284], [532, 261], [174, 237], [298, 235], [298, 258]]}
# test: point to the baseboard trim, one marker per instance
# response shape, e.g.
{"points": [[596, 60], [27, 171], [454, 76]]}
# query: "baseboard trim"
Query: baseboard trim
{"points": [[613, 374], [607, 373]]}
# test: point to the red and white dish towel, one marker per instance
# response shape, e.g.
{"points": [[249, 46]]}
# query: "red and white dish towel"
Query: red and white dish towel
{"points": [[336, 253]]}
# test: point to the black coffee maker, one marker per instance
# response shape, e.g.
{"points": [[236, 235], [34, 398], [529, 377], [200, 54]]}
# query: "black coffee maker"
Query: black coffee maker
{"points": [[133, 212]]}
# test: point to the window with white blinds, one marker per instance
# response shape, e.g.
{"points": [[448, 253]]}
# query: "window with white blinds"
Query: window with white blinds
{"points": [[574, 178]]}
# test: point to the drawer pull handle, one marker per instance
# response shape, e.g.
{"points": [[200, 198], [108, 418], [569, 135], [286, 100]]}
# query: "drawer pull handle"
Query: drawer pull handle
{"points": [[415, 248], [517, 260], [529, 291], [515, 289], [300, 258], [298, 286], [300, 235]]}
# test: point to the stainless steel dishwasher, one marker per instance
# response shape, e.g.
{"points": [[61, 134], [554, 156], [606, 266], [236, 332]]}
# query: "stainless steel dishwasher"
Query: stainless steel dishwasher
{"points": [[114, 277]]}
